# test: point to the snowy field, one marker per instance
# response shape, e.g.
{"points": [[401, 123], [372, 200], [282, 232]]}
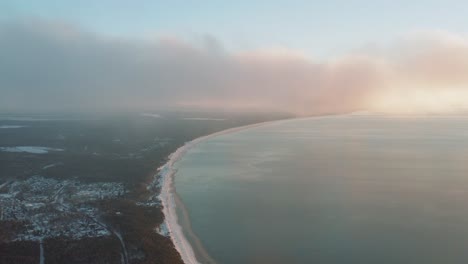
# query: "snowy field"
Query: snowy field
{"points": [[10, 126], [30, 149], [203, 119]]}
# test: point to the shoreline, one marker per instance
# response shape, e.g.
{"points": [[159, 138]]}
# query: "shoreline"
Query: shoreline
{"points": [[168, 196]]}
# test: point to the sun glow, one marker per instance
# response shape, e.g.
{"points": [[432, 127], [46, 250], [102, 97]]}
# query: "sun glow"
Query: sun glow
{"points": [[418, 100]]}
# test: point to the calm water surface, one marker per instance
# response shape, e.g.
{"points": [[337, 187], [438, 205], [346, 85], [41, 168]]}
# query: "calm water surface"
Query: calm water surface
{"points": [[348, 189]]}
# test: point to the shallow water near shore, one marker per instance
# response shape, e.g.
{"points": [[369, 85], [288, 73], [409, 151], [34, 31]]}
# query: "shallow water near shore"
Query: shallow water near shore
{"points": [[342, 189]]}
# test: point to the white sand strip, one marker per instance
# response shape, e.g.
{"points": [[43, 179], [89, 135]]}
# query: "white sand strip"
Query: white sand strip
{"points": [[167, 173]]}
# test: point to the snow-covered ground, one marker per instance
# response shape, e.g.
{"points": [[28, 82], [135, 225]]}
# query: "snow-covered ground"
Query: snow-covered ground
{"points": [[162, 230], [26, 118], [43, 118], [151, 115], [204, 118], [10, 126], [29, 149], [51, 165]]}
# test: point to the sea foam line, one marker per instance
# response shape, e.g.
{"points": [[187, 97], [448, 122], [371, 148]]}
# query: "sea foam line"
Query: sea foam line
{"points": [[167, 195]]}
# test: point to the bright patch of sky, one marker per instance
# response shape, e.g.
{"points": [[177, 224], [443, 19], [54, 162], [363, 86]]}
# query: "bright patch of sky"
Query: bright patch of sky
{"points": [[318, 28]]}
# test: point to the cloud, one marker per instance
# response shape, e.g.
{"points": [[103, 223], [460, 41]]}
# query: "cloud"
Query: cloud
{"points": [[56, 66]]}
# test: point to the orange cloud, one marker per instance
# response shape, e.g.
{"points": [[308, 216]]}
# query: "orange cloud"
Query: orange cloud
{"points": [[52, 67]]}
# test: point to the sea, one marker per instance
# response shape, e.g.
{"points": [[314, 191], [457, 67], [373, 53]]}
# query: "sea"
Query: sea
{"points": [[352, 189]]}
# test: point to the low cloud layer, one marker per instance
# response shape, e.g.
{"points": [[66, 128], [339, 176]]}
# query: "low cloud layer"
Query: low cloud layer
{"points": [[47, 66]]}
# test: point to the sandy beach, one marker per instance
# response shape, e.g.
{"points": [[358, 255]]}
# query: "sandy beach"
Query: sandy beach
{"points": [[168, 196]]}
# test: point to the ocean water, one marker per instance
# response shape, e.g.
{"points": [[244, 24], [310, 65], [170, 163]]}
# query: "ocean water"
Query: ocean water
{"points": [[343, 189]]}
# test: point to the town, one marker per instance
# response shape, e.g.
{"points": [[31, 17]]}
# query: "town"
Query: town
{"points": [[47, 207]]}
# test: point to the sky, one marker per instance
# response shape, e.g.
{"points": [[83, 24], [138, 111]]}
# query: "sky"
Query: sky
{"points": [[305, 57], [318, 28]]}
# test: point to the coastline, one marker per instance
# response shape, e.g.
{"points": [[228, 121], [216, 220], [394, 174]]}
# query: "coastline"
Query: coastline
{"points": [[168, 196]]}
